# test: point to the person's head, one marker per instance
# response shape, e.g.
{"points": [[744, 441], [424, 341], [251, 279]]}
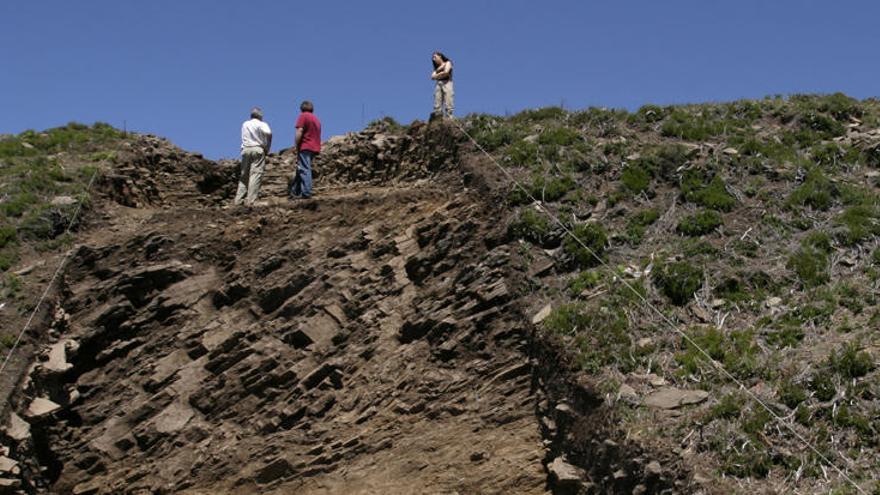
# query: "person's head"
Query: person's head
{"points": [[307, 106], [438, 58], [257, 113]]}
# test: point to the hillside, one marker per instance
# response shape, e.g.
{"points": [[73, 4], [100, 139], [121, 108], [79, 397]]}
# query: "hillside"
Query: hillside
{"points": [[423, 326]]}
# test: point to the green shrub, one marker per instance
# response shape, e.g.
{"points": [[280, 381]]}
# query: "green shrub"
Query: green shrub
{"points": [[636, 225], [728, 407], [825, 126], [521, 153], [822, 385], [7, 235], [849, 362], [810, 265], [532, 226], [678, 281], [733, 289], [791, 394], [663, 161], [591, 249], [493, 133], [747, 460], [691, 127], [553, 189], [788, 332], [559, 136], [819, 240], [635, 179], [860, 223], [601, 334], [817, 191], [8, 257], [7, 340], [11, 286], [713, 194], [736, 351], [701, 223], [587, 279]]}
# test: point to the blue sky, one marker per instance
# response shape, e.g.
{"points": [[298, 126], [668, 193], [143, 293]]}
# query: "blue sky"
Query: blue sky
{"points": [[190, 70]]}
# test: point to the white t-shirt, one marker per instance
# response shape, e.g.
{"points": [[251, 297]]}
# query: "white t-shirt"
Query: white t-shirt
{"points": [[255, 132]]}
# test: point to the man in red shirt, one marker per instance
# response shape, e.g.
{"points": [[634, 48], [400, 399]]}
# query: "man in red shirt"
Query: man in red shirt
{"points": [[308, 144]]}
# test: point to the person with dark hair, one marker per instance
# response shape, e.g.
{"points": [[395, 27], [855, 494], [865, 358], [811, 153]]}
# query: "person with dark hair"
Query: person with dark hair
{"points": [[256, 139], [443, 90], [307, 144]]}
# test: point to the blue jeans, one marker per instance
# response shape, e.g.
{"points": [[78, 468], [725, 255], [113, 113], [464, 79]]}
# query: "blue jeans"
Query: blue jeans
{"points": [[301, 187]]}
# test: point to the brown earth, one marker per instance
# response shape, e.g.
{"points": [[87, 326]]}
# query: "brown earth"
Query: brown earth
{"points": [[371, 340]]}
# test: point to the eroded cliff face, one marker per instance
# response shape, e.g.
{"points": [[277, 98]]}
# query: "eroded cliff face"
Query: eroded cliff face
{"points": [[370, 340]]}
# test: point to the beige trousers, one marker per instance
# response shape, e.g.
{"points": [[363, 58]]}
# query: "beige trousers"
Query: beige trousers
{"points": [[253, 164], [444, 94]]}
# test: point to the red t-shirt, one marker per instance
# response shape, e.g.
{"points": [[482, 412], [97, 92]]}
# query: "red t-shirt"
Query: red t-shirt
{"points": [[311, 126]]}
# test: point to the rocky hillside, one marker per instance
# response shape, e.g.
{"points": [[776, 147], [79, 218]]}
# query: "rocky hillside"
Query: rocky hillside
{"points": [[423, 326], [752, 228]]}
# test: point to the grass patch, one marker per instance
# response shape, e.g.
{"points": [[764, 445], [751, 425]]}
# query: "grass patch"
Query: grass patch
{"points": [[678, 281], [638, 222], [710, 194], [701, 223], [635, 179], [587, 279], [810, 265], [532, 226], [736, 351], [816, 192], [601, 335], [591, 249]]}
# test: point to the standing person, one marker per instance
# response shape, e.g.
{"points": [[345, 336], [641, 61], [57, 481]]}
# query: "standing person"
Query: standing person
{"points": [[307, 145], [443, 90], [256, 139]]}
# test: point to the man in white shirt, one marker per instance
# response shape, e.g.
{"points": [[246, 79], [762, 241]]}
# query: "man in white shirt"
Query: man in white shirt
{"points": [[256, 139]]}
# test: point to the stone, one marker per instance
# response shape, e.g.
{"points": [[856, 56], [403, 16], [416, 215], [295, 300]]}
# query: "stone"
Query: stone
{"points": [[8, 485], [730, 151], [542, 315], [773, 302], [673, 398], [564, 475], [7, 465], [86, 488], [63, 201], [18, 429], [57, 362], [654, 468], [628, 394], [27, 145], [41, 407]]}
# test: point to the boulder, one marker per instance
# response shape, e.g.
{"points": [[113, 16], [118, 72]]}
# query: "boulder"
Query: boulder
{"points": [[673, 398]]}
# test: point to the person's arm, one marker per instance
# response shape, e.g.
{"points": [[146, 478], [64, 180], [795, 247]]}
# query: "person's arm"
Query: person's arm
{"points": [[268, 142], [299, 137], [443, 71]]}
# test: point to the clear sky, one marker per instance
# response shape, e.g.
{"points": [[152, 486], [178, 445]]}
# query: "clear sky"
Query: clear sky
{"points": [[190, 70]]}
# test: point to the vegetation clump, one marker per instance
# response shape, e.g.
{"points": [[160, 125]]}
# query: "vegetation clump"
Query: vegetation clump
{"points": [[600, 335], [532, 226], [678, 281], [638, 222], [700, 223], [589, 249], [710, 194]]}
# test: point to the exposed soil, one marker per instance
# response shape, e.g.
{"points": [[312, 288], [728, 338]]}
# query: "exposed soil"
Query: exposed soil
{"points": [[370, 340]]}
